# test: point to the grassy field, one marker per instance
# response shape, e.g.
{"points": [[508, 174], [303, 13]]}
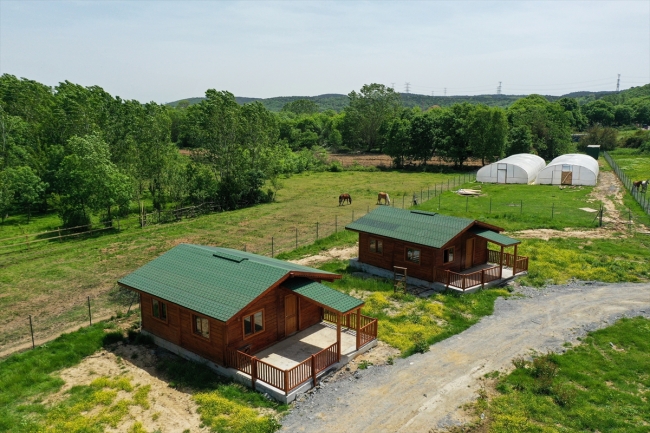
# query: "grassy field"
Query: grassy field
{"points": [[519, 207], [51, 280], [408, 322], [600, 385], [635, 165], [28, 379]]}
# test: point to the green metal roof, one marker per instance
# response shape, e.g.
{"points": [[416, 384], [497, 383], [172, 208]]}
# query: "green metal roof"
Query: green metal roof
{"points": [[322, 294], [425, 228], [495, 237], [217, 282]]}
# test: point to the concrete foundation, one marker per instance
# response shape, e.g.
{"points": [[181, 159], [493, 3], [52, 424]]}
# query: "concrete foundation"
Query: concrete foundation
{"points": [[285, 354]]}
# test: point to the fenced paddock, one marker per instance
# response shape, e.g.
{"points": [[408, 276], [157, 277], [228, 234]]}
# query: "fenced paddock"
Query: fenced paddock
{"points": [[643, 199]]}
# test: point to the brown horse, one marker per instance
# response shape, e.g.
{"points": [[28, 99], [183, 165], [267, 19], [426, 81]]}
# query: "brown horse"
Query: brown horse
{"points": [[343, 198], [383, 196], [641, 184]]}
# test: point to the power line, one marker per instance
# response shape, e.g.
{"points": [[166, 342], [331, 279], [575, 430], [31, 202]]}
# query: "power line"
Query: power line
{"points": [[408, 87], [618, 83], [499, 88]]}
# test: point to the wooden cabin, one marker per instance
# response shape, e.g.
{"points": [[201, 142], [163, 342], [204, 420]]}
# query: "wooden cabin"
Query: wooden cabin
{"points": [[226, 305], [434, 247]]}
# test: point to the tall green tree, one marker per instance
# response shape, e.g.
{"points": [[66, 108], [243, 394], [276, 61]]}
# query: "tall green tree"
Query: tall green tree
{"points": [[547, 122], [93, 183], [487, 129], [599, 112], [27, 186], [454, 133], [370, 109]]}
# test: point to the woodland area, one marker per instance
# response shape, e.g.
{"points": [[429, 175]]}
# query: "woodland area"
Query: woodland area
{"points": [[80, 151]]}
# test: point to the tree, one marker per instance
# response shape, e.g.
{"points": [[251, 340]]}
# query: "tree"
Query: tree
{"points": [[623, 115], [519, 140], [577, 119], [454, 133], [27, 186], [487, 129], [368, 110], [600, 112], [423, 136], [606, 138], [301, 106], [547, 123], [398, 141], [92, 181]]}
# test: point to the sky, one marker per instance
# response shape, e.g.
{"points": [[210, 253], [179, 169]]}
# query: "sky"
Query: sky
{"points": [[164, 51]]}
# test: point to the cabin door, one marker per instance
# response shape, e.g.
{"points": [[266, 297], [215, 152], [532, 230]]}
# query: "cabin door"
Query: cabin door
{"points": [[290, 314], [469, 253]]}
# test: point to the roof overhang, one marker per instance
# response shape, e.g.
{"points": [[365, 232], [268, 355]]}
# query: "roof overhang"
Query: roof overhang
{"points": [[494, 237]]}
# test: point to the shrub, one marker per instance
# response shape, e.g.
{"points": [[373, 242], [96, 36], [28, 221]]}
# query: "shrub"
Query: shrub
{"points": [[112, 338], [420, 344]]}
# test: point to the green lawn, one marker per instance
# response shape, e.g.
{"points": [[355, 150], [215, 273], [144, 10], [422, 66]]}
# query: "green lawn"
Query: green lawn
{"points": [[601, 385], [410, 323], [27, 379], [519, 207], [636, 166], [51, 280]]}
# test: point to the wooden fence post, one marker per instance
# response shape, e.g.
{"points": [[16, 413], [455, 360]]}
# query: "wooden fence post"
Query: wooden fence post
{"points": [[286, 381], [253, 372], [313, 370], [31, 330], [90, 317]]}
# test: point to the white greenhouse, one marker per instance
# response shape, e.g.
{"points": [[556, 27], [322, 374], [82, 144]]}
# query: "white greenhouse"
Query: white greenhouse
{"points": [[520, 168], [570, 169]]}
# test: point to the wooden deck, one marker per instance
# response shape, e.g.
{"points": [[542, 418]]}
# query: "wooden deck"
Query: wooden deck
{"points": [[303, 356]]}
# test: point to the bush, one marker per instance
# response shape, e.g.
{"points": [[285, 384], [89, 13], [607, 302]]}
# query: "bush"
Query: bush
{"points": [[606, 138], [420, 344], [112, 338], [335, 167], [637, 140]]}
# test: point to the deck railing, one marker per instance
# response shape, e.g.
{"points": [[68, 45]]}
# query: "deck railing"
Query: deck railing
{"points": [[465, 281], [287, 380], [508, 260], [367, 332]]}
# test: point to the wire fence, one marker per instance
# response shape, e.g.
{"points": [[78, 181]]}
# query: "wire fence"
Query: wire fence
{"points": [[639, 194]]}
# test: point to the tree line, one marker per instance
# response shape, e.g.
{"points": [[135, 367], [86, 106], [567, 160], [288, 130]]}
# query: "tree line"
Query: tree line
{"points": [[80, 151]]}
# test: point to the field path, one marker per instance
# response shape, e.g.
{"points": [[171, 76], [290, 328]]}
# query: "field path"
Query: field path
{"points": [[423, 392]]}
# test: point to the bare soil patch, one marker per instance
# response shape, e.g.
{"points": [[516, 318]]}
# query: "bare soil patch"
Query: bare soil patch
{"points": [[171, 410], [326, 256], [377, 160]]}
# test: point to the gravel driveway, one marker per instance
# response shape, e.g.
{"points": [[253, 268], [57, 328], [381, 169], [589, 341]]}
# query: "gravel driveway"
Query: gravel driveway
{"points": [[423, 392]]}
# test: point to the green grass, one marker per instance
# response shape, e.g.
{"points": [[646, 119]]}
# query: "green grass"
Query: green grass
{"points": [[224, 406], [92, 265], [340, 240], [410, 323], [519, 207], [610, 260], [636, 166], [601, 385], [27, 379]]}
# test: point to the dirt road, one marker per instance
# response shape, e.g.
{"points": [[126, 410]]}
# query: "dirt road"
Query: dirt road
{"points": [[423, 393]]}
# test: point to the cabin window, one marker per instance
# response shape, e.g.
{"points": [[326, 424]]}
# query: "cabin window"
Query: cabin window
{"points": [[159, 309], [376, 246], [413, 255], [202, 326], [254, 323], [448, 255]]}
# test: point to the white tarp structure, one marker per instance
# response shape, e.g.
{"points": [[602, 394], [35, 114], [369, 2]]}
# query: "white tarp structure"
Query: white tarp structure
{"points": [[520, 168], [570, 169]]}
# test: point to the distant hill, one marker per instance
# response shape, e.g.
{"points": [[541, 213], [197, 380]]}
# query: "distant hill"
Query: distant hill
{"points": [[337, 102]]}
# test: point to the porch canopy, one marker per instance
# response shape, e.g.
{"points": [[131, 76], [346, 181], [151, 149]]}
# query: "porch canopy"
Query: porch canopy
{"points": [[502, 241], [495, 237], [323, 295]]}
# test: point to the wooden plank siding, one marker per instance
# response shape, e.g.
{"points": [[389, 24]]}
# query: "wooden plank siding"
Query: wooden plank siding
{"points": [[394, 254], [179, 326], [179, 329]]}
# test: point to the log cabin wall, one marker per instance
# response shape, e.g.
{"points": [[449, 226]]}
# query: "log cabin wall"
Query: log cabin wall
{"points": [[272, 304], [179, 329]]}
